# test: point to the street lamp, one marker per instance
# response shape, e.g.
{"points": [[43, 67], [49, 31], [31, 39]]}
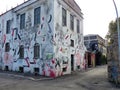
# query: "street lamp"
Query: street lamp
{"points": [[118, 29]]}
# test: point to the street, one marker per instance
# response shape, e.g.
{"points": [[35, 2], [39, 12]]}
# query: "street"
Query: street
{"points": [[92, 79]]}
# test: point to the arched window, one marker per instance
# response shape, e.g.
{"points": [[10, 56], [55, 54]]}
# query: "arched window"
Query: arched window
{"points": [[36, 51]]}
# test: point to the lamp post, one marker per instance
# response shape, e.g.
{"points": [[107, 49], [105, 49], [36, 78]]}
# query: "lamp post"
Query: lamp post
{"points": [[118, 29]]}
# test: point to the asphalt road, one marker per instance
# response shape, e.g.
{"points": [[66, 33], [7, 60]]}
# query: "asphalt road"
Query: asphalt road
{"points": [[92, 79]]}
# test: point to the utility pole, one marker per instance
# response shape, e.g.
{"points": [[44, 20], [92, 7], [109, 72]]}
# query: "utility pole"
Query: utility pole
{"points": [[118, 29]]}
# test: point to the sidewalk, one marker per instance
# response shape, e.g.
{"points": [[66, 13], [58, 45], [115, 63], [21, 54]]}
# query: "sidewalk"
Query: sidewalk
{"points": [[28, 76], [34, 77]]}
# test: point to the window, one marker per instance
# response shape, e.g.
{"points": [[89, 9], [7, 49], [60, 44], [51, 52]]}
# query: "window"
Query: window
{"points": [[64, 17], [71, 22], [72, 43], [22, 21], [78, 26], [93, 37], [7, 47], [36, 51], [8, 27], [37, 16], [85, 38], [21, 52]]}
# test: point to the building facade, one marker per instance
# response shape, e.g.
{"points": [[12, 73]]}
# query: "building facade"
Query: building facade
{"points": [[43, 37], [95, 42]]}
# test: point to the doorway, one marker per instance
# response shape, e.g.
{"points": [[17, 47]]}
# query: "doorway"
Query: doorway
{"points": [[72, 62]]}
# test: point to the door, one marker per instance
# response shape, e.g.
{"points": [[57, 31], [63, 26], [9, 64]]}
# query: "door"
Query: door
{"points": [[72, 62]]}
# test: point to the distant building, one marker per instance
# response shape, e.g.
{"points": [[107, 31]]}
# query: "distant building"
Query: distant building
{"points": [[94, 42], [43, 37]]}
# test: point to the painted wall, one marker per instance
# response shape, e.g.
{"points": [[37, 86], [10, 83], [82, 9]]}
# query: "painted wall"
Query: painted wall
{"points": [[53, 39], [62, 37]]}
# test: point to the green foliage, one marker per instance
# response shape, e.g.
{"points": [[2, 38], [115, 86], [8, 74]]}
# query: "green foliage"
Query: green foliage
{"points": [[112, 31]]}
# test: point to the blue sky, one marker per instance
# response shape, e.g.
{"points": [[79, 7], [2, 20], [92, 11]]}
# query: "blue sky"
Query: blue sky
{"points": [[97, 13]]}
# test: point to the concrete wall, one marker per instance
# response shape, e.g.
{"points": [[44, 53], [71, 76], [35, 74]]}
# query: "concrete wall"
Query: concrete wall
{"points": [[53, 39]]}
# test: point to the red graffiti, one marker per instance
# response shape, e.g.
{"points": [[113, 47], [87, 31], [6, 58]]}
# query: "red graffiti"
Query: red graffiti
{"points": [[27, 61], [67, 37], [53, 62], [52, 74], [61, 49]]}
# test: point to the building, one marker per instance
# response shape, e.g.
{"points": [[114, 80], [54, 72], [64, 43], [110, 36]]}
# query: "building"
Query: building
{"points": [[43, 37], [96, 44]]}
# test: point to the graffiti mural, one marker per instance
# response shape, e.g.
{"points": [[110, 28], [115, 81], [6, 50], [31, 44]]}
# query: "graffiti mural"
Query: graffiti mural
{"points": [[44, 48]]}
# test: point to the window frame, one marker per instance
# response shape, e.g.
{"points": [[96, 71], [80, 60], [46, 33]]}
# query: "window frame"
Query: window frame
{"points": [[72, 43], [36, 51], [37, 15], [7, 47], [22, 21], [8, 26], [21, 52], [71, 22], [78, 26], [64, 17]]}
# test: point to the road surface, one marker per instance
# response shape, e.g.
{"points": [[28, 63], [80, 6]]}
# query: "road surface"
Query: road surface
{"points": [[92, 79]]}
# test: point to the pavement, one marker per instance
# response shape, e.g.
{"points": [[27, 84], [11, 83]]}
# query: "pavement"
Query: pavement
{"points": [[28, 76], [89, 79], [34, 77]]}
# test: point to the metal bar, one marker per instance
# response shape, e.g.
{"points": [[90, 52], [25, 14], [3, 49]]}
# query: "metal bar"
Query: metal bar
{"points": [[118, 29]]}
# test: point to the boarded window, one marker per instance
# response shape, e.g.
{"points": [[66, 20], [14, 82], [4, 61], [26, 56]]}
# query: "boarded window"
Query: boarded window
{"points": [[64, 17], [7, 47], [22, 21], [36, 51], [37, 16], [72, 43], [8, 27], [21, 52]]}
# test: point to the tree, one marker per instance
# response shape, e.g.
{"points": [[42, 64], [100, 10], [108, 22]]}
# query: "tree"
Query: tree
{"points": [[112, 31]]}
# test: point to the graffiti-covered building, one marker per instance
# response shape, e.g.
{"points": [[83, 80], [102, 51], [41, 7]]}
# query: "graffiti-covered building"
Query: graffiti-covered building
{"points": [[42, 36]]}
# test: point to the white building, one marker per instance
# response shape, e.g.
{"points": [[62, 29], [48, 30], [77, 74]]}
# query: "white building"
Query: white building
{"points": [[42, 36]]}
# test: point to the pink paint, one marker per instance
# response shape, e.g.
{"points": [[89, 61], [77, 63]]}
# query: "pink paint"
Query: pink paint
{"points": [[12, 32], [34, 61], [61, 49], [38, 32], [4, 38], [27, 61], [53, 62], [52, 73], [67, 37], [43, 18], [6, 57], [43, 72], [78, 58]]}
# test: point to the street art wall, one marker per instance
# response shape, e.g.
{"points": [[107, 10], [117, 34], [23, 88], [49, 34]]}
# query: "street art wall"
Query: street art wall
{"points": [[43, 49]]}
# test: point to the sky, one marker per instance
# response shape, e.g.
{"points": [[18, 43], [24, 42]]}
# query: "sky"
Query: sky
{"points": [[97, 13]]}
